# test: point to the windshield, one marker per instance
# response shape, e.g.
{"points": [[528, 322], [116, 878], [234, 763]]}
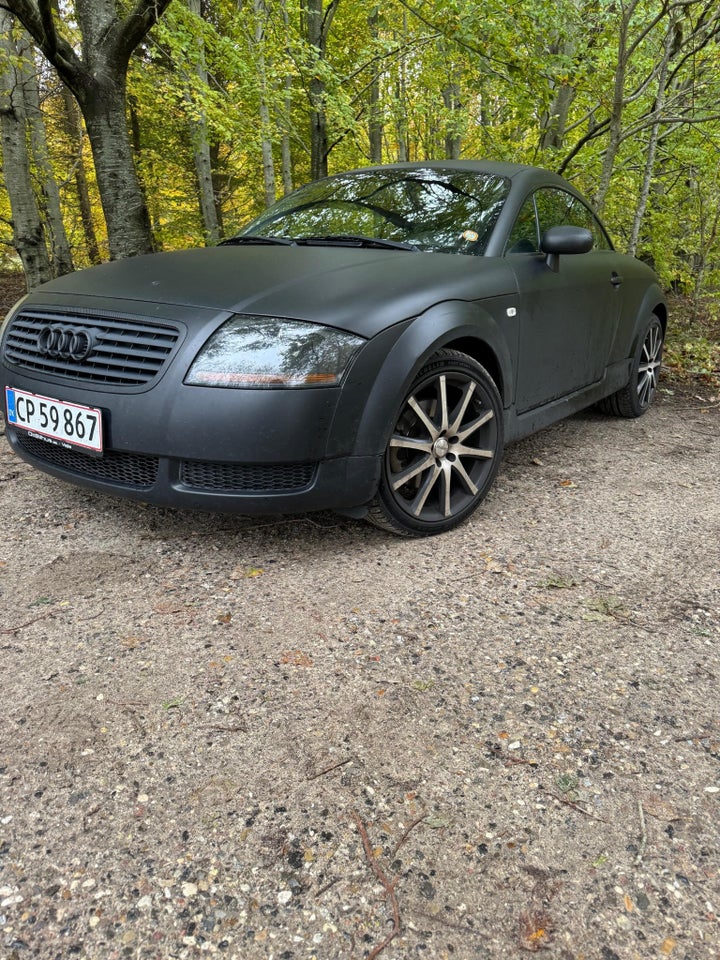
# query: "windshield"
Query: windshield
{"points": [[442, 211]]}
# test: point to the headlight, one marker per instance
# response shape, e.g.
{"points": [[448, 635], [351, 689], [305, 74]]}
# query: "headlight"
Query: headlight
{"points": [[272, 352]]}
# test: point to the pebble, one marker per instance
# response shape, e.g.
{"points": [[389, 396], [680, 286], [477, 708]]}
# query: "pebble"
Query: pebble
{"points": [[189, 889], [285, 896]]}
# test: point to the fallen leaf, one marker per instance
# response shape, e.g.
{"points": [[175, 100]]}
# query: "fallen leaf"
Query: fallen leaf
{"points": [[296, 658], [437, 823], [244, 573], [567, 483], [168, 607]]}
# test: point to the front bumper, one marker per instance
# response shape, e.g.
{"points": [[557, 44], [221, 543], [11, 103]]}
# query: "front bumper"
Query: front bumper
{"points": [[253, 489], [242, 451]]}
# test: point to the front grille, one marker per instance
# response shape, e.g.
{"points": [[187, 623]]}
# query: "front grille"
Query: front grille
{"points": [[126, 469], [246, 477], [125, 352]]}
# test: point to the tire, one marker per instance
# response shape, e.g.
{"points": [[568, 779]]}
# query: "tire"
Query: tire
{"points": [[444, 449], [634, 399]]}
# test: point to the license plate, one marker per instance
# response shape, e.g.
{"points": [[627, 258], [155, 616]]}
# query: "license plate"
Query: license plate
{"points": [[68, 425]]}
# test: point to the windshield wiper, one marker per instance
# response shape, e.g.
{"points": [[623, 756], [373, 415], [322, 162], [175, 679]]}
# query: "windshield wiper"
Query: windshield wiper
{"points": [[355, 240], [255, 238]]}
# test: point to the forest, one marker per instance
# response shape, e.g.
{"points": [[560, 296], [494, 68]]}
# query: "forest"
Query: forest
{"points": [[136, 125]]}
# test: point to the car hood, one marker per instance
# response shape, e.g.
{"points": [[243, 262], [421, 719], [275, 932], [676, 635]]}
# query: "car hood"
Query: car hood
{"points": [[356, 289]]}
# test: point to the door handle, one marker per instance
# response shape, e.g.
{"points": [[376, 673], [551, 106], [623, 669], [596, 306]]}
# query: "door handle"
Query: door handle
{"points": [[615, 279]]}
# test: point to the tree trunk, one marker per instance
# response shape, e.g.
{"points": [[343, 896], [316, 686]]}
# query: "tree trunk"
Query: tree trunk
{"points": [[555, 121], [401, 120], [617, 109], [219, 183], [126, 214], [318, 23], [453, 139], [62, 261], [97, 78], [201, 143], [375, 117], [285, 150], [260, 11], [73, 127], [28, 230], [653, 142]]}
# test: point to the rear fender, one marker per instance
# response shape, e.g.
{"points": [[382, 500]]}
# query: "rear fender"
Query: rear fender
{"points": [[630, 334]]}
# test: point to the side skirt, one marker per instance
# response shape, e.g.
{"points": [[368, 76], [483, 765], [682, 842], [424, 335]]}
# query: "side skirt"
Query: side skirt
{"points": [[531, 421]]}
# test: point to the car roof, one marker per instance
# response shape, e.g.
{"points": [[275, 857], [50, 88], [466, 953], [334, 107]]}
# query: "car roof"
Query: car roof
{"points": [[498, 168]]}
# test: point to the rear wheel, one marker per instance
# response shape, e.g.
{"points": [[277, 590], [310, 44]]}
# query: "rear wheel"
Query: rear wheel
{"points": [[444, 450], [636, 396]]}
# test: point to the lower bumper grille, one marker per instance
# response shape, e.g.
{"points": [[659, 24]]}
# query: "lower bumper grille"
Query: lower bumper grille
{"points": [[140, 472], [127, 469], [201, 475]]}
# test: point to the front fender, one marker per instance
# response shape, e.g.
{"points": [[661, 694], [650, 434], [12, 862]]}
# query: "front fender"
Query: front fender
{"points": [[482, 330]]}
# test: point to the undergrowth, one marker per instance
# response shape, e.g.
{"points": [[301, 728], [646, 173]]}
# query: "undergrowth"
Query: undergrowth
{"points": [[692, 343]]}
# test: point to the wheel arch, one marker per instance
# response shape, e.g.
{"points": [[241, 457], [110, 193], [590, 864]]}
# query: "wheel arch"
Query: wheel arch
{"points": [[652, 303], [480, 350], [460, 325]]}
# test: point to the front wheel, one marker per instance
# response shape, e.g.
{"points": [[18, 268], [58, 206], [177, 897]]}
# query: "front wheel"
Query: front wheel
{"points": [[635, 397], [444, 450]]}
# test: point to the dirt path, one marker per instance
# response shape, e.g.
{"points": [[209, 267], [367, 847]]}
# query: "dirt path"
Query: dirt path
{"points": [[211, 726]]}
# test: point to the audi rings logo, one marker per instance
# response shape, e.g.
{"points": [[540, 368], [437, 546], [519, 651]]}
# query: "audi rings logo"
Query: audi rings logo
{"points": [[65, 343]]}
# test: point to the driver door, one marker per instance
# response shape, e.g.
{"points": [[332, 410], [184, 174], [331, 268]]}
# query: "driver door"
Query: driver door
{"points": [[568, 317]]}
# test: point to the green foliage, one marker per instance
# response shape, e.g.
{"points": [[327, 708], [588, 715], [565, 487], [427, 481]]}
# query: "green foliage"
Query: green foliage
{"points": [[692, 345]]}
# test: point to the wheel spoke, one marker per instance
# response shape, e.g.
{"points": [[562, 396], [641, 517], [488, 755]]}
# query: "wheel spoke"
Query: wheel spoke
{"points": [[475, 425], [420, 413], [464, 476], [442, 381], [411, 443], [646, 386], [460, 450], [468, 391], [424, 492], [399, 479], [446, 482]]}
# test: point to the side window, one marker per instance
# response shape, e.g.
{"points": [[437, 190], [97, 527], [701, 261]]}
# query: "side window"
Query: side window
{"points": [[557, 208], [524, 235]]}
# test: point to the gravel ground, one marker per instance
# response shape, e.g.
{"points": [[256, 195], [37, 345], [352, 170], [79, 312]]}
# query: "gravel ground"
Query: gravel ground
{"points": [[287, 738]]}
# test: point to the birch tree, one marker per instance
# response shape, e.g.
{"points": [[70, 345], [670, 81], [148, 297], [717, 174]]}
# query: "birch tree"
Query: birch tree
{"points": [[97, 76], [200, 136], [29, 238]]}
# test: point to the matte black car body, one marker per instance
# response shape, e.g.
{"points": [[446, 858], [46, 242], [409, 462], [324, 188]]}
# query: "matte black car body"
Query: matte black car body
{"points": [[554, 331]]}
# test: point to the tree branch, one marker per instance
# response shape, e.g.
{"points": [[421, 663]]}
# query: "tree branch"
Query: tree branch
{"points": [[37, 19], [128, 33]]}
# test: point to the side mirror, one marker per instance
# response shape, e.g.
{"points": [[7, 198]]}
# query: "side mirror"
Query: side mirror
{"points": [[564, 240]]}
